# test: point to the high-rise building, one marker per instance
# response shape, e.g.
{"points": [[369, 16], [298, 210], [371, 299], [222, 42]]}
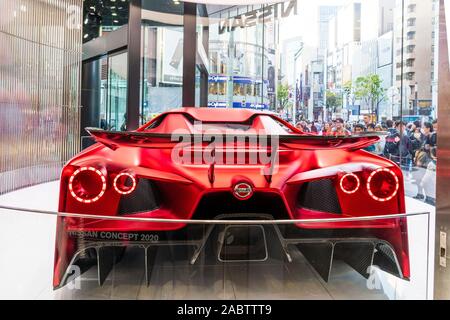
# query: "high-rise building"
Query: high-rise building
{"points": [[325, 14], [417, 47], [310, 68], [310, 87], [373, 55], [289, 49], [377, 18], [344, 35]]}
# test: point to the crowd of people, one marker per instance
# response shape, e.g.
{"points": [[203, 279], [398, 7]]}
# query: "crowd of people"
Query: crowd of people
{"points": [[411, 145]]}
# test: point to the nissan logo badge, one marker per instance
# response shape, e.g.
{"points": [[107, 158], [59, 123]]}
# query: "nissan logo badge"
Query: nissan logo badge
{"points": [[243, 191]]}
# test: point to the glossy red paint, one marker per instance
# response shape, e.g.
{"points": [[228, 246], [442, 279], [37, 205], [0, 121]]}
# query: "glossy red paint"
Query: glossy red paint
{"points": [[147, 153]]}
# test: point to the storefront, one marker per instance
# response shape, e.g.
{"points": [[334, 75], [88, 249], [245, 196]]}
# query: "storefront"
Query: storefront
{"points": [[354, 92]]}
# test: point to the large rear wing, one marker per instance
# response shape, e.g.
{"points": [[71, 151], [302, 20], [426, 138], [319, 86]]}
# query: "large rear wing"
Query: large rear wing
{"points": [[116, 139]]}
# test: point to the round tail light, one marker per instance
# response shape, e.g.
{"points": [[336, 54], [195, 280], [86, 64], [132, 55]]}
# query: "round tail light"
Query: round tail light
{"points": [[383, 185], [350, 183], [125, 183], [87, 184]]}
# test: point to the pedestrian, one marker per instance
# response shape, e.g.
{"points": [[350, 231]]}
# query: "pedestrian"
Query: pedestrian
{"points": [[327, 129], [427, 131], [391, 148], [417, 140], [429, 180], [339, 129], [367, 120], [398, 144], [358, 129]]}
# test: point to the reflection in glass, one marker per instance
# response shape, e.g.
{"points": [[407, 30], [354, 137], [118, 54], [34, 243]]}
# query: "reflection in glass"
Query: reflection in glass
{"points": [[162, 69], [117, 91], [103, 17]]}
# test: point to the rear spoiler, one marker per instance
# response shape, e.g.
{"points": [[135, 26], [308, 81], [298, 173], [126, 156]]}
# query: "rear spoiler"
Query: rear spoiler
{"points": [[116, 139]]}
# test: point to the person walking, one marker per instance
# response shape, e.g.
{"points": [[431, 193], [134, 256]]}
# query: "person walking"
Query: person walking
{"points": [[398, 144]]}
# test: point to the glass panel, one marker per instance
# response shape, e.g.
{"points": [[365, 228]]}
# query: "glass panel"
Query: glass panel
{"points": [[162, 46], [373, 65], [314, 63], [198, 76], [117, 91], [104, 93], [239, 60], [102, 17], [232, 258], [40, 57], [418, 147]]}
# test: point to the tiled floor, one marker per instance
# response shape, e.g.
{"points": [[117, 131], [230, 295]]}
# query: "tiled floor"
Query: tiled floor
{"points": [[273, 279]]}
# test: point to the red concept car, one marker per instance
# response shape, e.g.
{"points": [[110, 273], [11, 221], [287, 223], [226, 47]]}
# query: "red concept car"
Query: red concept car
{"points": [[199, 164]]}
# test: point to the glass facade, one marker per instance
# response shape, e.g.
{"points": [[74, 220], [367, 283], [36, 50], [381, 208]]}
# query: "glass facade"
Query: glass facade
{"points": [[114, 106], [39, 87], [241, 59], [162, 78], [162, 58], [104, 92], [103, 17], [311, 63], [235, 49]]}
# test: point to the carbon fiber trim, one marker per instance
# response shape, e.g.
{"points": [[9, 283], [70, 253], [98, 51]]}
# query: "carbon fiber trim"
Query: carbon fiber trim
{"points": [[320, 195], [319, 256], [144, 198], [359, 256], [386, 259]]}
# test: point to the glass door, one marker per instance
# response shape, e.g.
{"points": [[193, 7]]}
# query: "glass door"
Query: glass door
{"points": [[116, 90], [162, 69]]}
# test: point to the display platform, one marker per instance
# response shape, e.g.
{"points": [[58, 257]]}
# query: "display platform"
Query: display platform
{"points": [[26, 271]]}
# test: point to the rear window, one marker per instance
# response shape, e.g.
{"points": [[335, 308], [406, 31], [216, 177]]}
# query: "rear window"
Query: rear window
{"points": [[269, 124]]}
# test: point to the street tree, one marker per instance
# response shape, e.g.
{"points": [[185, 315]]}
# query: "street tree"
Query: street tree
{"points": [[370, 91], [334, 101], [348, 89], [283, 96]]}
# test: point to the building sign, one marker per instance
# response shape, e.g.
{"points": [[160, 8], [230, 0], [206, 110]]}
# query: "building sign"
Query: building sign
{"points": [[262, 15], [250, 105], [425, 104], [217, 78], [217, 104]]}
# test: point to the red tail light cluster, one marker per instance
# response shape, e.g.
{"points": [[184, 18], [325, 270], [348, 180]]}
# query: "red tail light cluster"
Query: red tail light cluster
{"points": [[382, 184], [125, 183], [88, 184], [350, 183]]}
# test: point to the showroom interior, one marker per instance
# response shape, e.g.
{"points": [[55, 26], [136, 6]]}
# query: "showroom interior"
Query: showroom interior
{"points": [[91, 91]]}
